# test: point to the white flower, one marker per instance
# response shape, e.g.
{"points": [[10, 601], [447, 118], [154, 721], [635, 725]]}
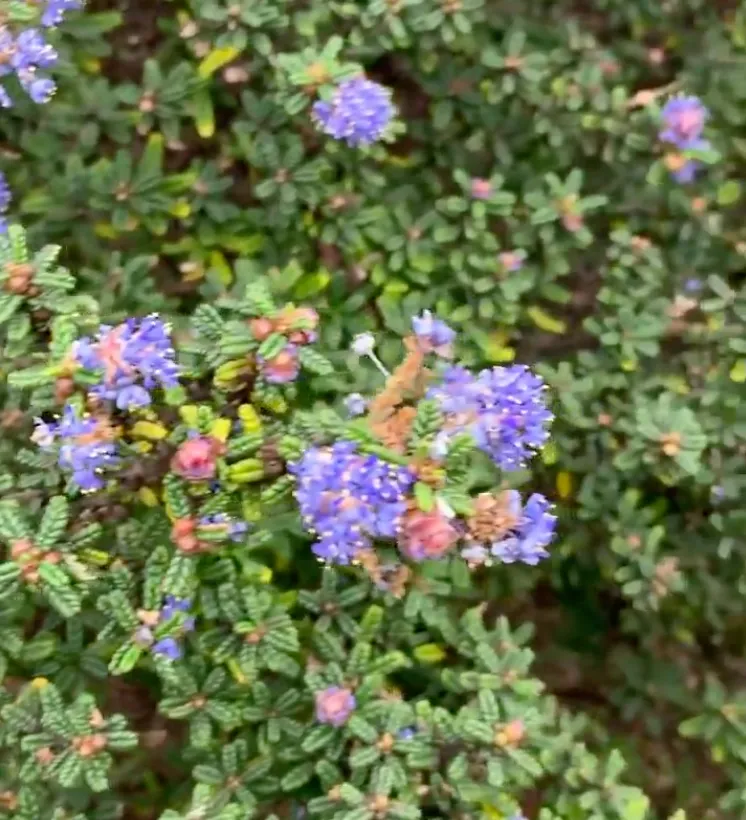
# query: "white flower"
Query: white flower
{"points": [[363, 344]]}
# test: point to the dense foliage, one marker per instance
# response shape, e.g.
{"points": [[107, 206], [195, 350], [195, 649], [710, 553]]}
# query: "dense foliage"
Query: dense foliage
{"points": [[371, 442]]}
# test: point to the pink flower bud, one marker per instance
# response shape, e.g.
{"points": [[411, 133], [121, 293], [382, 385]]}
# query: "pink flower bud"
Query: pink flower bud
{"points": [[481, 188], [283, 368], [511, 261], [261, 328], [334, 705], [427, 535], [196, 458]]}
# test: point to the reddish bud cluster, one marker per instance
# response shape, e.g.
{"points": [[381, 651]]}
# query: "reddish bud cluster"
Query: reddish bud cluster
{"points": [[196, 459], [511, 734], [20, 279], [183, 535], [427, 535], [29, 557], [89, 745], [283, 367], [297, 324]]}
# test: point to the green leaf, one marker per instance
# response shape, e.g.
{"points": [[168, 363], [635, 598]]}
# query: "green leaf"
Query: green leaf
{"points": [[64, 599], [526, 761], [429, 653], [636, 808], [9, 572], [211, 775], [297, 777], [178, 576], [729, 193], [317, 738], [53, 524], [151, 162], [53, 575], [125, 659], [272, 346], [176, 499], [9, 304], [546, 322], [351, 795], [30, 377], [363, 730], [424, 496], [216, 59], [312, 284], [204, 115], [315, 362], [543, 215], [364, 757]]}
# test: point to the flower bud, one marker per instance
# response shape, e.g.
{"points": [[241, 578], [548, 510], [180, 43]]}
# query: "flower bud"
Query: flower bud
{"points": [[481, 188], [334, 705], [196, 458], [283, 368], [261, 328], [427, 535], [363, 344]]}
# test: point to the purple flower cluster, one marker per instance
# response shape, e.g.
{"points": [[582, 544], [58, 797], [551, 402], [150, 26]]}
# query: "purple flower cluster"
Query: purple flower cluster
{"points": [[174, 605], [528, 540], [23, 55], [26, 53], [433, 335], [86, 446], [347, 499], [133, 358], [168, 647], [358, 113], [684, 120], [5, 198], [55, 10], [503, 408]]}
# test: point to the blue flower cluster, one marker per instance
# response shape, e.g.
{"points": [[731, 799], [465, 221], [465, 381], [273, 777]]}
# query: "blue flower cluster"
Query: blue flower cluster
{"points": [[55, 10], [503, 408], [133, 358], [86, 446], [5, 199], [527, 541], [347, 499], [684, 120], [168, 647], [359, 112], [433, 335], [24, 54]]}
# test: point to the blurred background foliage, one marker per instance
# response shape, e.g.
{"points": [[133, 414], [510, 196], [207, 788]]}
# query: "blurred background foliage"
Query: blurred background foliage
{"points": [[525, 198]]}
